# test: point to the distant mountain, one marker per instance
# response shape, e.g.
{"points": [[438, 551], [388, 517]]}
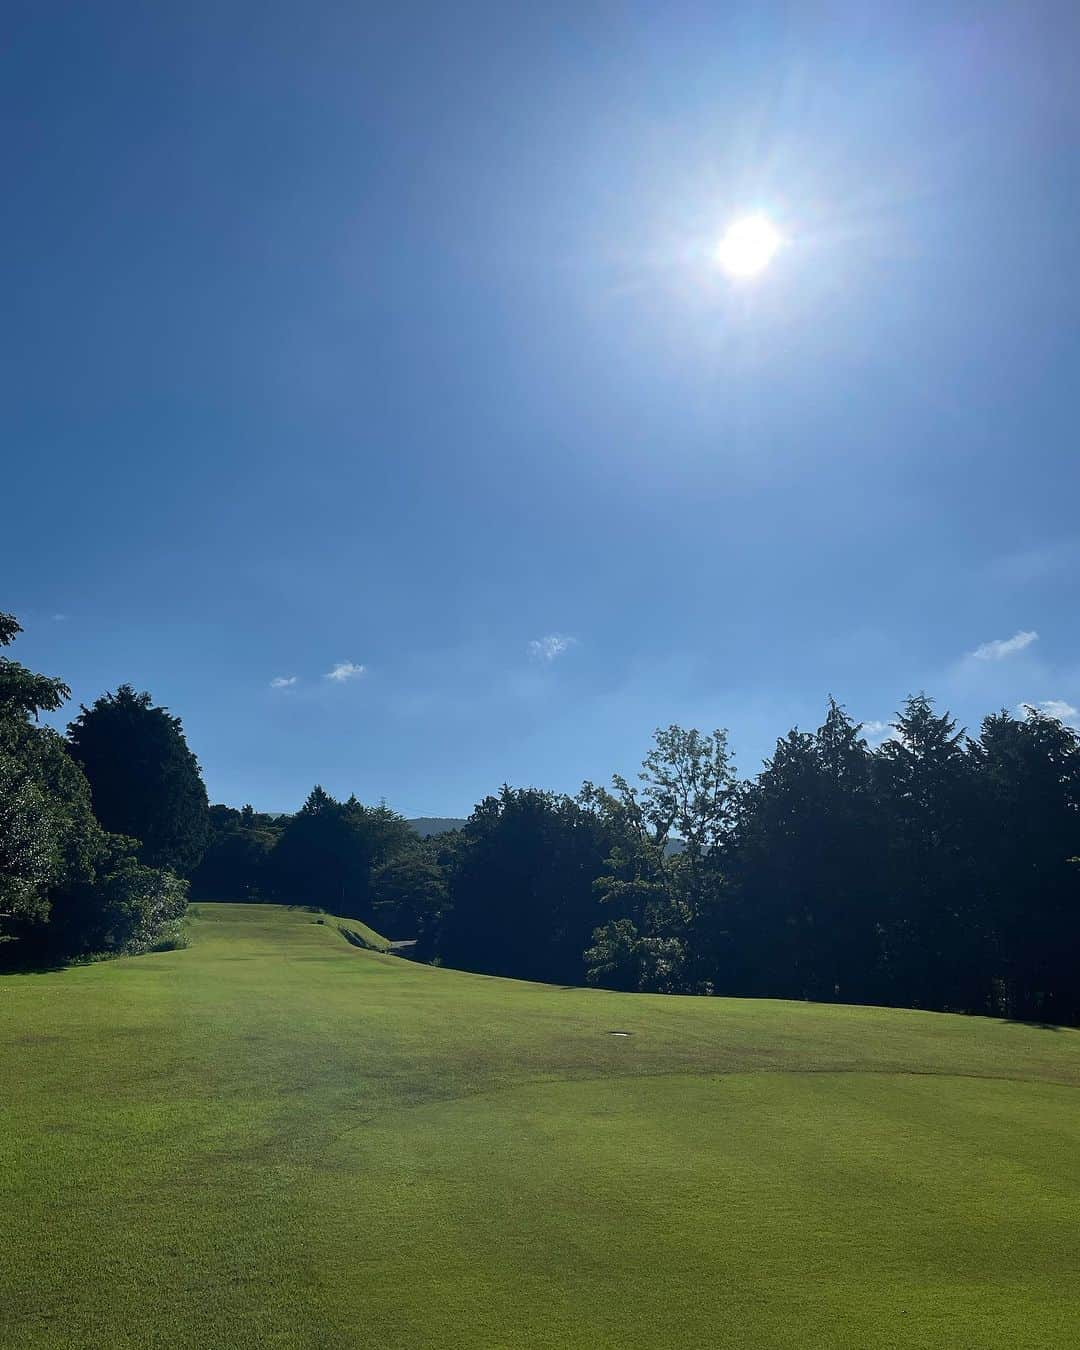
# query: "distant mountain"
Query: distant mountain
{"points": [[425, 825]]}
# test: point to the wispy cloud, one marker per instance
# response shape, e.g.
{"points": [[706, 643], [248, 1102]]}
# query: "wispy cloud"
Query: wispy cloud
{"points": [[1054, 707], [345, 670], [875, 732], [548, 648], [1056, 558], [59, 618], [1000, 648], [284, 681]]}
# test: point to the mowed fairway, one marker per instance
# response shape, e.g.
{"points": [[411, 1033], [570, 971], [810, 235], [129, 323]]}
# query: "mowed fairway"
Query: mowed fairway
{"points": [[273, 1138]]}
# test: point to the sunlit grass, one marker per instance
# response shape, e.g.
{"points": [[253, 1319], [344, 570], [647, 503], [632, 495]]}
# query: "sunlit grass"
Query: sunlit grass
{"points": [[273, 1138]]}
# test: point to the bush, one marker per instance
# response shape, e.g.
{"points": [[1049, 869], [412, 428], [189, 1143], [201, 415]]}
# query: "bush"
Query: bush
{"points": [[173, 938], [127, 909]]}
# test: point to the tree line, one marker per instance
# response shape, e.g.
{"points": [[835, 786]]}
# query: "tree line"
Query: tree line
{"points": [[936, 870], [96, 828]]}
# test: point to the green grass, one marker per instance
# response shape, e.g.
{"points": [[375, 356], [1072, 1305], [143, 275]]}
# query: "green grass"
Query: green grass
{"points": [[273, 1138]]}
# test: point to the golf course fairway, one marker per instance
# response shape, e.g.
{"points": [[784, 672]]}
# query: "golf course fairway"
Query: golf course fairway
{"points": [[274, 1138]]}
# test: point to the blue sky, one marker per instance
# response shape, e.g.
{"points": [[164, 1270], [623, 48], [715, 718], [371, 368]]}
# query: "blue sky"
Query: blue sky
{"points": [[390, 337]]}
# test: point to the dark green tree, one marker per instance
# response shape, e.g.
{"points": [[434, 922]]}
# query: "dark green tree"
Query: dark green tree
{"points": [[144, 779], [933, 939], [28, 845], [409, 895], [48, 834], [125, 907], [66, 886], [809, 843], [327, 851], [1028, 819], [521, 892], [236, 864]]}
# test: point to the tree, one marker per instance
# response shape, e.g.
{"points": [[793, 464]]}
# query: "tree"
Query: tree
{"points": [[28, 844], [1028, 777], [933, 942], [664, 873], [236, 863], [24, 694], [409, 894], [688, 789], [620, 958], [809, 840], [48, 834], [66, 886], [522, 899], [126, 907], [326, 852], [144, 780]]}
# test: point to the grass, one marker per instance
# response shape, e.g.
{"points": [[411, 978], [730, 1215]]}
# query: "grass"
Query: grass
{"points": [[273, 1138]]}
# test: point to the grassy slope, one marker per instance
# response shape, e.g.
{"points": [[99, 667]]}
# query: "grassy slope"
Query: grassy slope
{"points": [[275, 1139], [368, 937]]}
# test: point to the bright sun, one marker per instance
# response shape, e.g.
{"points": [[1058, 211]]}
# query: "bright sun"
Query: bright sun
{"points": [[748, 246]]}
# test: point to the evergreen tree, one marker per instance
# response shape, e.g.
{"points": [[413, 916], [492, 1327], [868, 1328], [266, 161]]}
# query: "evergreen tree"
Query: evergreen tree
{"points": [[144, 780], [66, 886], [327, 851], [1029, 833], [808, 867], [933, 941]]}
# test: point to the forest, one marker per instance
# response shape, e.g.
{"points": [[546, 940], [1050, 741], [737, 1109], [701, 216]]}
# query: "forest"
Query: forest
{"points": [[935, 870]]}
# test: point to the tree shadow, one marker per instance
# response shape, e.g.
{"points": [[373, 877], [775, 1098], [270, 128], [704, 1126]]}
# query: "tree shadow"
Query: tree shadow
{"points": [[1038, 1026], [38, 967]]}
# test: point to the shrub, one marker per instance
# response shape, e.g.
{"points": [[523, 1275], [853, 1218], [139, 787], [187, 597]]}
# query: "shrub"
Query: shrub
{"points": [[127, 909]]}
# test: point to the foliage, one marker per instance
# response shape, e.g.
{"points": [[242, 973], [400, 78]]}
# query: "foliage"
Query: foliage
{"points": [[129, 908], [409, 895], [807, 867], [326, 853], [236, 864], [664, 876], [23, 693], [935, 871], [28, 843], [144, 780], [621, 958], [67, 887], [1026, 834], [49, 838], [521, 886], [932, 872]]}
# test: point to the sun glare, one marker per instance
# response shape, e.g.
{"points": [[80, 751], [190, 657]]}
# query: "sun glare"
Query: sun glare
{"points": [[748, 247]]}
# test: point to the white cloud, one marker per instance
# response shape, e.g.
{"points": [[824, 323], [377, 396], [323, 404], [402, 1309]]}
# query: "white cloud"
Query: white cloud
{"points": [[345, 670], [876, 732], [548, 648], [1002, 647], [284, 681], [1054, 707], [59, 618]]}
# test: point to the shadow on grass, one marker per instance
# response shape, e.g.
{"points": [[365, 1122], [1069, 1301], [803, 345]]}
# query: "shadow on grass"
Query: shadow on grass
{"points": [[41, 965], [355, 939], [1038, 1026]]}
